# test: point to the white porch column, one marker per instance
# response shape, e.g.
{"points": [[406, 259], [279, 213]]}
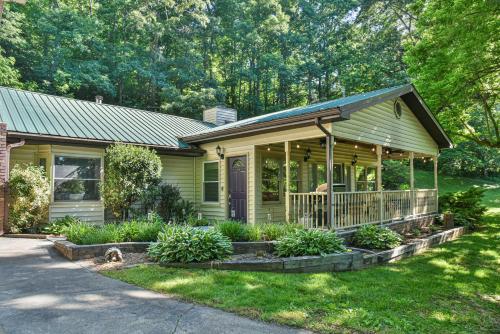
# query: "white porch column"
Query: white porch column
{"points": [[379, 182], [435, 159], [288, 148], [412, 184]]}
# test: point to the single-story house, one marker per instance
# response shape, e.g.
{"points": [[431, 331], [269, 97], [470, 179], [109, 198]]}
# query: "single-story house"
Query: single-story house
{"points": [[319, 165]]}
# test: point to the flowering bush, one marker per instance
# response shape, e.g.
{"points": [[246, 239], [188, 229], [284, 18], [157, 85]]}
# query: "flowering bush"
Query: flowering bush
{"points": [[29, 198]]}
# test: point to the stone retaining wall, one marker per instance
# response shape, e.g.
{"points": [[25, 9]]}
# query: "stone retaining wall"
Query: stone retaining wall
{"points": [[400, 226]]}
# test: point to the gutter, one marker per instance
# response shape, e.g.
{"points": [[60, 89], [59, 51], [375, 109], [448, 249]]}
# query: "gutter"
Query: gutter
{"points": [[7, 157], [48, 139]]}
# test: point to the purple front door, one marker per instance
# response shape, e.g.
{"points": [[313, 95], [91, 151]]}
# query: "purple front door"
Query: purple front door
{"points": [[238, 188]]}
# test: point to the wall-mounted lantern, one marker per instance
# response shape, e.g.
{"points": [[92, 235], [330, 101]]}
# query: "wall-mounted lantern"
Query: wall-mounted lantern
{"points": [[219, 152], [354, 159], [307, 155]]}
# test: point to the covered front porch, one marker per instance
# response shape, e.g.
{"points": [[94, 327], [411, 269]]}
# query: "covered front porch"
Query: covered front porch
{"points": [[295, 177]]}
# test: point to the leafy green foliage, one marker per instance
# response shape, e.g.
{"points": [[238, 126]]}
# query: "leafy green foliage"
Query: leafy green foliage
{"points": [[395, 175], [454, 64], [134, 230], [187, 244], [465, 205], [233, 230], [57, 226], [376, 237], [195, 222], [129, 172], [237, 231], [166, 200], [29, 198], [309, 242], [470, 159]]}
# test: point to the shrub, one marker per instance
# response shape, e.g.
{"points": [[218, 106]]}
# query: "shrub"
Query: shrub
{"points": [[188, 244], [129, 172], [465, 206], [57, 226], [166, 200], [376, 237], [234, 230], [29, 198], [134, 230], [309, 242], [396, 175]]}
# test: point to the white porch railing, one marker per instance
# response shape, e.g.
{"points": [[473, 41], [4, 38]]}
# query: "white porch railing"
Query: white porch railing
{"points": [[352, 209]]}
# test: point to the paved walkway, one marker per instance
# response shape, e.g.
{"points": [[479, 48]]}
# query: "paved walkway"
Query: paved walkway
{"points": [[41, 292]]}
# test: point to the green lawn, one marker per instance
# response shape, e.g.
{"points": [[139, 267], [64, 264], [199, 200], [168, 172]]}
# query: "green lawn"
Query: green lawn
{"points": [[454, 288], [425, 179]]}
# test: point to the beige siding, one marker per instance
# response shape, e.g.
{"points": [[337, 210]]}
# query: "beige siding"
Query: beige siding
{"points": [[179, 171], [24, 155], [378, 125]]}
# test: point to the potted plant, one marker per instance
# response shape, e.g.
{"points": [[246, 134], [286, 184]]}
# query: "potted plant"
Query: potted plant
{"points": [[74, 188]]}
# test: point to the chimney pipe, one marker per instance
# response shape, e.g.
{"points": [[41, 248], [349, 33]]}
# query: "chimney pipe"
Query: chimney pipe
{"points": [[98, 99]]}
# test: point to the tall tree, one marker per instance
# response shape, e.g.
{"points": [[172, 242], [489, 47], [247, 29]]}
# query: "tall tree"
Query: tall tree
{"points": [[455, 64]]}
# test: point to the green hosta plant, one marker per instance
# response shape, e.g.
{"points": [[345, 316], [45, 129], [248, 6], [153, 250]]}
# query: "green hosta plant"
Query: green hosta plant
{"points": [[29, 198], [187, 244], [59, 225], [309, 242], [376, 237]]}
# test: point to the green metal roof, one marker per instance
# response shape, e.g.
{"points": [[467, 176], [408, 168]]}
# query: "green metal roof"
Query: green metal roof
{"points": [[46, 115]]}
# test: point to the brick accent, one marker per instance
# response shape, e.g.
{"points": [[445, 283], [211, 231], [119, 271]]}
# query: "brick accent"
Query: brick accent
{"points": [[4, 170]]}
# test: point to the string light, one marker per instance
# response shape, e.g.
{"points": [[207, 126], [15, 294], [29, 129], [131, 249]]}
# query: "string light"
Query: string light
{"points": [[373, 149], [334, 142], [268, 148], [356, 146], [387, 152], [298, 146]]}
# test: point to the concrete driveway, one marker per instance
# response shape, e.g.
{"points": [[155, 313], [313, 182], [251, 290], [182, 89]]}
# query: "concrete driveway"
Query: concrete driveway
{"points": [[41, 292]]}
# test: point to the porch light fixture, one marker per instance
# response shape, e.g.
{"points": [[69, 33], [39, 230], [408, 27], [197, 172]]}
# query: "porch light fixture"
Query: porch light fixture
{"points": [[218, 150], [322, 143], [354, 159], [307, 155]]}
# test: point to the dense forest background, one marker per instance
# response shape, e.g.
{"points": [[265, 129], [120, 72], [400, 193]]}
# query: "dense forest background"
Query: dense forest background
{"points": [[259, 56]]}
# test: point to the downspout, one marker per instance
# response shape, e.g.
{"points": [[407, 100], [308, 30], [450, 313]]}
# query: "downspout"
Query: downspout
{"points": [[329, 164], [6, 180]]}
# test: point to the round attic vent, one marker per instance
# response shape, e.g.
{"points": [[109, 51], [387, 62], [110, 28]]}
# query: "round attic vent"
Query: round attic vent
{"points": [[398, 110]]}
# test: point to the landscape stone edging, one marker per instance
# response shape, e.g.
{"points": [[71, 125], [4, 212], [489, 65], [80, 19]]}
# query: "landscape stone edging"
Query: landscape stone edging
{"points": [[77, 252], [355, 260]]}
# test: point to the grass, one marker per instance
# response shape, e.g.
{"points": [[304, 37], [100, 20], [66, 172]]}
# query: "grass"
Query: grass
{"points": [[425, 179], [454, 288]]}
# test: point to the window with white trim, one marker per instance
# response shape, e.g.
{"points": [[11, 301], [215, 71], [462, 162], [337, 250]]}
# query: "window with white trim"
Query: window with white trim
{"points": [[211, 181], [76, 178]]}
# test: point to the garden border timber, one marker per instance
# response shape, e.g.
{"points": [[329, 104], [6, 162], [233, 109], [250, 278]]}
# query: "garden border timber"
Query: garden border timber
{"points": [[77, 252], [354, 260]]}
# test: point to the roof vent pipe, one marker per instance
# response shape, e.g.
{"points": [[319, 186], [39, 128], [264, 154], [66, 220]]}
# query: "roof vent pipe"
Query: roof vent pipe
{"points": [[98, 99]]}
